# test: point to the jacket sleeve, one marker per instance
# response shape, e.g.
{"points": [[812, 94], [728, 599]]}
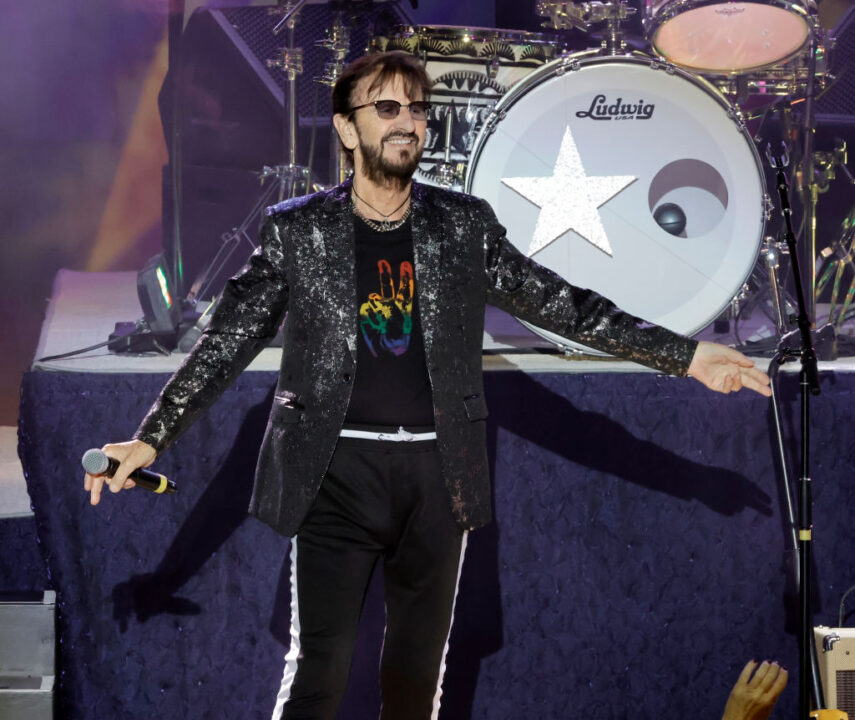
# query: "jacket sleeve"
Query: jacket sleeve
{"points": [[520, 286], [247, 316]]}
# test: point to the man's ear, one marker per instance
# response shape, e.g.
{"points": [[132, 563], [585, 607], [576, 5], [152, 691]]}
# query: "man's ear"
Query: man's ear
{"points": [[346, 131]]}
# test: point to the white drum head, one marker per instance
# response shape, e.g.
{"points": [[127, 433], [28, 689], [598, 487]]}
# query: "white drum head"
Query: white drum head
{"points": [[644, 138]]}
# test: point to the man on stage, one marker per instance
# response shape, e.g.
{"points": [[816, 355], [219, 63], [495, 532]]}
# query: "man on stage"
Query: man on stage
{"points": [[375, 448]]}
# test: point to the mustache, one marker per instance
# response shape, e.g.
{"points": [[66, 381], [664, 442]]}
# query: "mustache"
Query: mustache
{"points": [[393, 135]]}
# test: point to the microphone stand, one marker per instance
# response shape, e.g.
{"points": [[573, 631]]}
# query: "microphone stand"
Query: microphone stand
{"points": [[809, 685]]}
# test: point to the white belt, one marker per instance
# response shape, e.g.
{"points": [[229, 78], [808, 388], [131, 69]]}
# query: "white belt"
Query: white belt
{"points": [[400, 436]]}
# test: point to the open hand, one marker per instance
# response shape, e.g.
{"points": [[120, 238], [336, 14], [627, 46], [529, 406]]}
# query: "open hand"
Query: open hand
{"points": [[723, 369], [753, 698]]}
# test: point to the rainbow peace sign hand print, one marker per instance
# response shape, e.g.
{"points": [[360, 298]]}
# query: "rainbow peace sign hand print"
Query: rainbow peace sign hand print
{"points": [[386, 319]]}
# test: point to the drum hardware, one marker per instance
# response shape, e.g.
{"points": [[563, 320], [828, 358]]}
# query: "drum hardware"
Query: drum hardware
{"points": [[760, 92], [288, 10], [616, 13], [570, 15], [765, 293], [838, 257], [735, 114], [826, 164], [734, 310], [567, 62], [245, 233], [337, 43], [839, 260], [446, 171], [583, 15], [771, 252], [294, 179]]}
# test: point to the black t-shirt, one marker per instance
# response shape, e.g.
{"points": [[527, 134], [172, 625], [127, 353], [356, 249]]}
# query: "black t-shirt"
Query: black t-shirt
{"points": [[391, 386]]}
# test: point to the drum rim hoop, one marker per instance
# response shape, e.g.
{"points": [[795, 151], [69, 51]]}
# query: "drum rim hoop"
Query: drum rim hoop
{"points": [[518, 37]]}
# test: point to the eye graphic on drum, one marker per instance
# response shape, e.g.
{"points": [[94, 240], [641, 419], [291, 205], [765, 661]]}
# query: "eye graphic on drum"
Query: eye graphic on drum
{"points": [[629, 180]]}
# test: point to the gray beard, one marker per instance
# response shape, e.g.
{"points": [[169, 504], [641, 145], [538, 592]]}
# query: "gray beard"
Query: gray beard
{"points": [[382, 172]]}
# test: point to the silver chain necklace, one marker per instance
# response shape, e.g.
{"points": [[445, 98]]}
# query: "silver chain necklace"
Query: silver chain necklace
{"points": [[383, 225]]}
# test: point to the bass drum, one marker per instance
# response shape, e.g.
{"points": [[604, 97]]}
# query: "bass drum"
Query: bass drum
{"points": [[652, 189]]}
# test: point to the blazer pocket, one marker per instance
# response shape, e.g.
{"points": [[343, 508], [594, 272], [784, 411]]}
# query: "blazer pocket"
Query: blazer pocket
{"points": [[286, 409], [476, 407]]}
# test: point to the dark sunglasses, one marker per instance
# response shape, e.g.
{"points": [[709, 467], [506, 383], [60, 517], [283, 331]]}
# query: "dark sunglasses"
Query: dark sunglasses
{"points": [[389, 109]]}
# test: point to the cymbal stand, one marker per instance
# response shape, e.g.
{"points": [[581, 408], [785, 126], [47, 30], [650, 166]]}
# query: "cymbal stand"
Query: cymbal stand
{"points": [[293, 179], [337, 42], [231, 240], [807, 186], [616, 13]]}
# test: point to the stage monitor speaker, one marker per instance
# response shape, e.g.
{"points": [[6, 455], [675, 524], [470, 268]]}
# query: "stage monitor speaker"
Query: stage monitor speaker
{"points": [[836, 650]]}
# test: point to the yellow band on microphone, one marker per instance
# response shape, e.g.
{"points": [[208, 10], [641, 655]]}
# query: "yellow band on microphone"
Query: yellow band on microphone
{"points": [[805, 535], [163, 485]]}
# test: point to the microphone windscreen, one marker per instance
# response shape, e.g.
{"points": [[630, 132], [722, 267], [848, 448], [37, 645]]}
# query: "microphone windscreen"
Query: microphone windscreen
{"points": [[95, 462]]}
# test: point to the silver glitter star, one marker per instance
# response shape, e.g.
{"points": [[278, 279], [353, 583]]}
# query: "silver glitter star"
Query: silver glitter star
{"points": [[569, 199]]}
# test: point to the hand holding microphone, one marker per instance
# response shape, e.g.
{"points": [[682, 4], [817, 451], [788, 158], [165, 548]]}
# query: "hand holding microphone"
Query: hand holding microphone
{"points": [[122, 465]]}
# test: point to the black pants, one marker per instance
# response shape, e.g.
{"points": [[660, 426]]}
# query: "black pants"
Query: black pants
{"points": [[378, 500]]}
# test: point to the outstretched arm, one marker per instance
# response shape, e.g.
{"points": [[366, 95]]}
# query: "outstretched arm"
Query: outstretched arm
{"points": [[726, 370]]}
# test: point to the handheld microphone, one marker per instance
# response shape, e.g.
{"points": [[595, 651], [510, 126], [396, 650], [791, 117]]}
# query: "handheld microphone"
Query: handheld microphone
{"points": [[95, 462]]}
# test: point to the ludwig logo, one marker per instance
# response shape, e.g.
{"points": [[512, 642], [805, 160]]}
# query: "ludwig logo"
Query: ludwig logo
{"points": [[602, 109]]}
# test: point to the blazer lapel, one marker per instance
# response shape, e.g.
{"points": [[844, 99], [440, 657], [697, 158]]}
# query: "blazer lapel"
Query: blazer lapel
{"points": [[427, 252], [338, 243]]}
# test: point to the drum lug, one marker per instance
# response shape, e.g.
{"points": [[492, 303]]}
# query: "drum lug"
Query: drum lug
{"points": [[567, 62], [768, 206], [657, 64], [493, 67], [735, 114], [493, 119]]}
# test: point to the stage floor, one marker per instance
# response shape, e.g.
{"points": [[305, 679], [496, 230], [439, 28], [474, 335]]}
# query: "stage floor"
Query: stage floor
{"points": [[84, 308]]}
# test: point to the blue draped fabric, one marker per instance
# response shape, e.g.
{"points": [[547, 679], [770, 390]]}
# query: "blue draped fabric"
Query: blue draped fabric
{"points": [[639, 555], [22, 567]]}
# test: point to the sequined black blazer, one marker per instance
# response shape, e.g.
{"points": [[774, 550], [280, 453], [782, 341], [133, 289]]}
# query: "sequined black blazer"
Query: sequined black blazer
{"points": [[305, 266]]}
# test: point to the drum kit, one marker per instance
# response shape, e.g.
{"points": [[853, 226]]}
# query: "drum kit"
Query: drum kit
{"points": [[651, 149], [684, 235]]}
